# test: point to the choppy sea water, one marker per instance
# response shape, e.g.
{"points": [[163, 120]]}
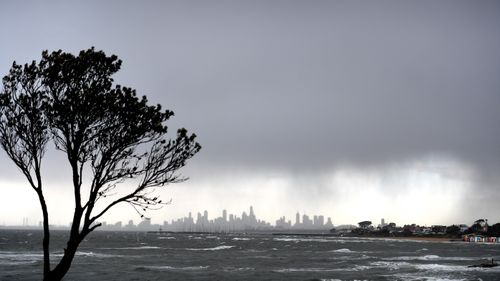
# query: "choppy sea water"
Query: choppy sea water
{"points": [[147, 256]]}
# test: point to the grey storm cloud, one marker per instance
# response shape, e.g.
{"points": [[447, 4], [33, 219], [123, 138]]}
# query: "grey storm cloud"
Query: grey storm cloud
{"points": [[297, 85]]}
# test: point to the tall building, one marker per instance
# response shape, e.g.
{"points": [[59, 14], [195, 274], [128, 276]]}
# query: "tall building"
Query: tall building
{"points": [[252, 217], [321, 220], [329, 223]]}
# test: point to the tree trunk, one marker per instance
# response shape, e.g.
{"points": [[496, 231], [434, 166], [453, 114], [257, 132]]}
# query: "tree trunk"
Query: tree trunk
{"points": [[46, 235], [62, 268]]}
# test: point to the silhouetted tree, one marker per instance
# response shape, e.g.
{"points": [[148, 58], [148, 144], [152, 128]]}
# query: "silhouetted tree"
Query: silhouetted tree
{"points": [[364, 224], [104, 130], [494, 230], [477, 227], [453, 230]]}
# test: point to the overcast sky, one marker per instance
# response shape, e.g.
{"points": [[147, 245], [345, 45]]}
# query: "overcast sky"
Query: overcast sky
{"points": [[357, 110]]}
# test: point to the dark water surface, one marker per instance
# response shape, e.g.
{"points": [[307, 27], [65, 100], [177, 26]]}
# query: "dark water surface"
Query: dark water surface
{"points": [[143, 256]]}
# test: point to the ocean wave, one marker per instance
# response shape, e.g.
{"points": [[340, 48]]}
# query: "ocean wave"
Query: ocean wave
{"points": [[429, 258], [237, 269], [419, 277], [307, 269], [294, 239], [452, 268], [322, 269], [20, 255], [171, 268], [259, 257], [241, 239], [223, 247], [19, 258], [97, 255], [390, 265], [135, 248], [352, 258], [166, 237], [343, 250], [18, 262], [255, 251], [429, 267], [89, 254]]}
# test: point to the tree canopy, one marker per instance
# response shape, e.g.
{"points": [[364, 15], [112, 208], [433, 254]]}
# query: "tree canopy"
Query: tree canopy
{"points": [[106, 131]]}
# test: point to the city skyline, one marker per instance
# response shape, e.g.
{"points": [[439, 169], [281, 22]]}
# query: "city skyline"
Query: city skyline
{"points": [[231, 223], [225, 223]]}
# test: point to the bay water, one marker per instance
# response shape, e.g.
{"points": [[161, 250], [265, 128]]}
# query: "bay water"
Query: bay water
{"points": [[190, 256]]}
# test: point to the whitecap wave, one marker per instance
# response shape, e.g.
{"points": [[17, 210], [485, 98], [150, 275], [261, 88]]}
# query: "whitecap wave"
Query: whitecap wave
{"points": [[18, 262], [296, 240], [166, 238], [429, 267], [223, 247], [97, 255], [419, 277], [19, 258], [452, 268], [312, 269], [255, 251], [343, 250], [136, 248], [429, 258], [391, 265], [322, 269], [241, 239], [20, 255], [171, 268]]}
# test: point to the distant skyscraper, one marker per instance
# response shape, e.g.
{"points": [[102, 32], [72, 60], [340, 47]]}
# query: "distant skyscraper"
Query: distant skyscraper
{"points": [[329, 223], [224, 215], [252, 218], [321, 220], [297, 219], [306, 222]]}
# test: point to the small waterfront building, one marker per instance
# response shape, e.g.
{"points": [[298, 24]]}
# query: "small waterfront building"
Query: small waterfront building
{"points": [[477, 238]]}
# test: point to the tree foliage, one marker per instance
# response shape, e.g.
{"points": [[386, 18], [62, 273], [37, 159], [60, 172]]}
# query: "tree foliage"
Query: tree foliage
{"points": [[104, 130], [453, 230], [364, 224]]}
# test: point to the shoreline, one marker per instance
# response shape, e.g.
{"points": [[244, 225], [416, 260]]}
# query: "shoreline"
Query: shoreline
{"points": [[418, 238], [408, 238]]}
